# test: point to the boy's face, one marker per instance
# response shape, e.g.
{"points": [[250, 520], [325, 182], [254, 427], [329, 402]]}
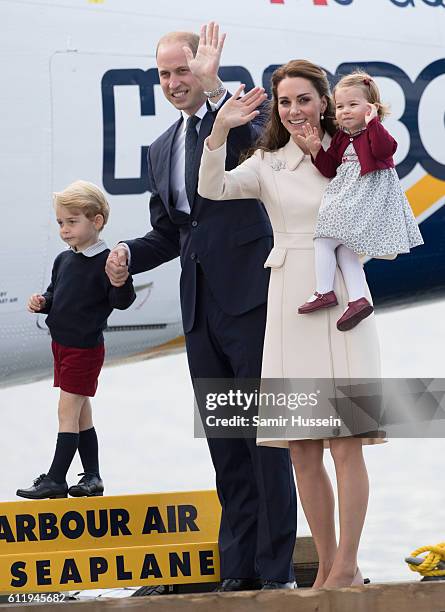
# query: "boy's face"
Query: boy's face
{"points": [[76, 229]]}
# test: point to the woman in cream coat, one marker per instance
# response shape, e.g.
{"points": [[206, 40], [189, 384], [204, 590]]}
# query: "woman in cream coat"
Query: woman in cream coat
{"points": [[280, 174]]}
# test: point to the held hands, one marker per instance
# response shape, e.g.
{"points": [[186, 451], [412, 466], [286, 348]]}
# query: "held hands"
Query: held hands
{"points": [[310, 141], [204, 66], [116, 267], [371, 112], [36, 302], [235, 112]]}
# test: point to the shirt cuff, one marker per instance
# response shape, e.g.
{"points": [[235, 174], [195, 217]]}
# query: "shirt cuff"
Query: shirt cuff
{"points": [[215, 106], [127, 248]]}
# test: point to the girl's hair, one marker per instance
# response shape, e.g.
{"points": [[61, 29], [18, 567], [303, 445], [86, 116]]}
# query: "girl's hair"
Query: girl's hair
{"points": [[366, 83], [86, 197], [275, 134]]}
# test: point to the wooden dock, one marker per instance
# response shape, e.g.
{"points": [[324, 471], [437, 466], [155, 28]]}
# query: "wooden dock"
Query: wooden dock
{"points": [[390, 597]]}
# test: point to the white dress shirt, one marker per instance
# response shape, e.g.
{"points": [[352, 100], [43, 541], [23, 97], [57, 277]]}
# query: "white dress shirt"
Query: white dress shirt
{"points": [[177, 174]]}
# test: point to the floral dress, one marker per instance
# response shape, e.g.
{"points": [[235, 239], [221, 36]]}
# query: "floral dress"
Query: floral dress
{"points": [[369, 214]]}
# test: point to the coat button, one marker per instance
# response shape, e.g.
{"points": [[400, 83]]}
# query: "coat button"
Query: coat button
{"points": [[194, 223], [193, 256]]}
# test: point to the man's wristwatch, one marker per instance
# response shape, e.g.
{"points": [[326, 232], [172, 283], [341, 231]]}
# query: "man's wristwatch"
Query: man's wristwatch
{"points": [[215, 92]]}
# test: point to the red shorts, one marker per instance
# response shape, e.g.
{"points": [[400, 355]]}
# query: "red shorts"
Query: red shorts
{"points": [[76, 370]]}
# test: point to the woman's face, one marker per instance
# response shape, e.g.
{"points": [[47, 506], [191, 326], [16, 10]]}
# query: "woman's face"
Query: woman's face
{"points": [[299, 103]]}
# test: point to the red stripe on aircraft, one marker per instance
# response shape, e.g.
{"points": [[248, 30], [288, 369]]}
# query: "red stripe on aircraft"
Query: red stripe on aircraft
{"points": [[316, 2]]}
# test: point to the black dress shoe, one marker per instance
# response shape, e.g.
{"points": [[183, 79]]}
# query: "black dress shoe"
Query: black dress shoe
{"points": [[240, 584], [44, 487], [269, 585], [90, 485]]}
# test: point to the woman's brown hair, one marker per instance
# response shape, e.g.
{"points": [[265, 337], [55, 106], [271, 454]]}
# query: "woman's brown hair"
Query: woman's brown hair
{"points": [[275, 134]]}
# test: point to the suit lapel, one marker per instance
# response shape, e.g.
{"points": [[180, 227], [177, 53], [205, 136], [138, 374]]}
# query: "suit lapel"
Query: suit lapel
{"points": [[165, 160]]}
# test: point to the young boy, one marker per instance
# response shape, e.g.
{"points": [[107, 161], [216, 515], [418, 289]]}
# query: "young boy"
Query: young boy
{"points": [[78, 302]]}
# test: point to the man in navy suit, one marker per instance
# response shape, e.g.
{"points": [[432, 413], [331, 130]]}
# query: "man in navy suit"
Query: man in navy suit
{"points": [[223, 286]]}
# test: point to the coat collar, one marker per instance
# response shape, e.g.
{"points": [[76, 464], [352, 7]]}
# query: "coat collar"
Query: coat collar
{"points": [[294, 155]]}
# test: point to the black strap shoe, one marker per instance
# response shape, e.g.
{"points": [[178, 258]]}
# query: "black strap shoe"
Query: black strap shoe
{"points": [[44, 487], [90, 485], [240, 584], [269, 585]]}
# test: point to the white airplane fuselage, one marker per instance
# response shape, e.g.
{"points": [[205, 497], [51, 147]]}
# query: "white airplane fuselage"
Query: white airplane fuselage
{"points": [[80, 98]]}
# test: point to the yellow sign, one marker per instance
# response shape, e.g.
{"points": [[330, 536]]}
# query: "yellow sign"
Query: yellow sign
{"points": [[102, 542], [107, 568]]}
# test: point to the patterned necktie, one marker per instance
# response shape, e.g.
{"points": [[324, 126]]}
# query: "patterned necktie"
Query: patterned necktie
{"points": [[191, 140]]}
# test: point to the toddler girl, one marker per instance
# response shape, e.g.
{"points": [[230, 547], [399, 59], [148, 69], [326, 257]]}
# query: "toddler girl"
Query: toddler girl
{"points": [[364, 210]]}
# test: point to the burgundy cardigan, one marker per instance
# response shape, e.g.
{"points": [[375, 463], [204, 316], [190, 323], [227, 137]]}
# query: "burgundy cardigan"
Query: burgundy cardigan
{"points": [[374, 147]]}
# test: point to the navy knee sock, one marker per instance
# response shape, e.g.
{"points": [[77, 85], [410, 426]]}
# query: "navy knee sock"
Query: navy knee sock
{"points": [[66, 448], [89, 451]]}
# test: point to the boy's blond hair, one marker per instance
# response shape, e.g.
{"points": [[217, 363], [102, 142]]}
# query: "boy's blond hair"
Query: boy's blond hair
{"points": [[360, 78], [86, 197]]}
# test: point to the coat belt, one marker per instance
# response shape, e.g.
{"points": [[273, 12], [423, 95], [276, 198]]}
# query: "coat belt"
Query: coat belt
{"points": [[283, 241], [286, 240]]}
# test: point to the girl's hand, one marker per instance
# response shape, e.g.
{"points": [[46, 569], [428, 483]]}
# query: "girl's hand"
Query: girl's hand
{"points": [[310, 140], [235, 112], [36, 302], [371, 112]]}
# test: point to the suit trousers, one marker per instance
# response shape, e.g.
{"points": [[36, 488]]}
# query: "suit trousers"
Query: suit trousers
{"points": [[255, 484]]}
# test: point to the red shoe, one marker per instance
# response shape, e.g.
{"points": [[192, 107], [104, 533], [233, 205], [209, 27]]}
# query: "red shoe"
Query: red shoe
{"points": [[356, 312], [324, 300]]}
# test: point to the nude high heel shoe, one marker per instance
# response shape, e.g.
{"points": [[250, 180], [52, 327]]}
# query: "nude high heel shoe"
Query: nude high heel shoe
{"points": [[358, 579]]}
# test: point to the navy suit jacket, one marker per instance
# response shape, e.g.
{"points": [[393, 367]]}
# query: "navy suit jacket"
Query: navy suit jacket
{"points": [[231, 240]]}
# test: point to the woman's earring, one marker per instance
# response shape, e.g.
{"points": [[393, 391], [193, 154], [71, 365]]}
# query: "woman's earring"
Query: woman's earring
{"points": [[322, 116]]}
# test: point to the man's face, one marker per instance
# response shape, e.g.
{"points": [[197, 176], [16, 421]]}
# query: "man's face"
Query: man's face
{"points": [[179, 85]]}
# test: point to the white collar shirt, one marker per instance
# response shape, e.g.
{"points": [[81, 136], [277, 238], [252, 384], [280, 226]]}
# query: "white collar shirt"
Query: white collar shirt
{"points": [[177, 168], [92, 250]]}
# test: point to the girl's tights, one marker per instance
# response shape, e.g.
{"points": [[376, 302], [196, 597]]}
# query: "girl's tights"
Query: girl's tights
{"points": [[330, 252]]}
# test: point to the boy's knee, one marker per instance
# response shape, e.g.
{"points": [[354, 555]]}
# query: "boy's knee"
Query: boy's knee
{"points": [[71, 398]]}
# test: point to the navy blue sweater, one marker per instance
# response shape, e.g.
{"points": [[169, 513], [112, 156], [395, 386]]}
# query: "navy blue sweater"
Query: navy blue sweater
{"points": [[80, 298]]}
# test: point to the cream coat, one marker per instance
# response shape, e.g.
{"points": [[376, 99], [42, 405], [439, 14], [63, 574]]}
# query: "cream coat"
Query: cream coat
{"points": [[295, 346]]}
